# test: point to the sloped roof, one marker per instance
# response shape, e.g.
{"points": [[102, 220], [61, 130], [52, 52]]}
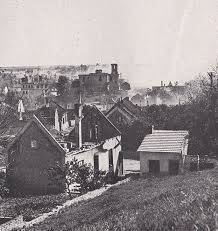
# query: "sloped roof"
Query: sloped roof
{"points": [[127, 106], [42, 128], [49, 111], [104, 118], [164, 141]]}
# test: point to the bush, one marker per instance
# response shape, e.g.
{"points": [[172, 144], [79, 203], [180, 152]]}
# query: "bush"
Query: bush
{"points": [[73, 173], [4, 190]]}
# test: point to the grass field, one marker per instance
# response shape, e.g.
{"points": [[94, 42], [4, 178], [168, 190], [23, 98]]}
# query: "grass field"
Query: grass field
{"points": [[30, 207], [184, 202]]}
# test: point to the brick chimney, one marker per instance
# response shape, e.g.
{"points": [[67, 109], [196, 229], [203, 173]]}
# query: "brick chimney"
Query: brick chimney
{"points": [[78, 123]]}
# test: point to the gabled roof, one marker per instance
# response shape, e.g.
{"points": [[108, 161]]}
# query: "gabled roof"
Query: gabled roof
{"points": [[127, 106], [104, 118], [164, 141], [48, 112], [42, 128]]}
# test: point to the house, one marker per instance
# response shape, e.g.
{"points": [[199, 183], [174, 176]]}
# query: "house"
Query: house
{"points": [[54, 116], [30, 155], [33, 149], [124, 112], [163, 151], [97, 140], [168, 94]]}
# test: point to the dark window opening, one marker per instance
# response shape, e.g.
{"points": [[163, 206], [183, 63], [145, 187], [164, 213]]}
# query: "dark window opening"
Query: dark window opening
{"points": [[96, 163], [154, 166]]}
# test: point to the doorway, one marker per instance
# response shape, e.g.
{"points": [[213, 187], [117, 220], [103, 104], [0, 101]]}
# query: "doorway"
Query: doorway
{"points": [[154, 166], [96, 162]]}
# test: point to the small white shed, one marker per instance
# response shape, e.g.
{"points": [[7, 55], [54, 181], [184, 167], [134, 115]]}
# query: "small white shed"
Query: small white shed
{"points": [[163, 151]]}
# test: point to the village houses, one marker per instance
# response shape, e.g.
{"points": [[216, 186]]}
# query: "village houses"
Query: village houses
{"points": [[34, 147]]}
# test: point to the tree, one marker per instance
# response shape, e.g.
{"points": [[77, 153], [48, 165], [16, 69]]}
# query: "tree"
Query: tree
{"points": [[11, 98], [62, 84], [8, 116], [125, 86]]}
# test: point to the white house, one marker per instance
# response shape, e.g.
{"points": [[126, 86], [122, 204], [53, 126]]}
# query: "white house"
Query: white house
{"points": [[163, 151]]}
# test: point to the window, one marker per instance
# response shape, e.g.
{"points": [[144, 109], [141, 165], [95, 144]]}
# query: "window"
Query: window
{"points": [[33, 144], [100, 78], [81, 162]]}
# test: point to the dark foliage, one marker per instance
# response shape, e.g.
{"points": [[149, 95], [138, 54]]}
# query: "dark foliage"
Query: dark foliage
{"points": [[74, 173], [4, 190], [62, 84]]}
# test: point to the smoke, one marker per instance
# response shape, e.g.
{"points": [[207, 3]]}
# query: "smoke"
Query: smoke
{"points": [[187, 12]]}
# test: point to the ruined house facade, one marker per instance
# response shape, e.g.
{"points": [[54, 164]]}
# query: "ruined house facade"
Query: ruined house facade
{"points": [[99, 81], [99, 141]]}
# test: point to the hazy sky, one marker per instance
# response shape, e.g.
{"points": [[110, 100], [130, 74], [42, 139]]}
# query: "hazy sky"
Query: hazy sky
{"points": [[152, 40]]}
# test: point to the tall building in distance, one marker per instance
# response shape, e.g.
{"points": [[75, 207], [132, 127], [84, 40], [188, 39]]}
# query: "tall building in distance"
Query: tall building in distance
{"points": [[100, 82]]}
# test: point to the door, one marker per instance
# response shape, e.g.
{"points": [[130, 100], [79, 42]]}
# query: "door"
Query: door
{"points": [[111, 161], [154, 166], [96, 162], [173, 167]]}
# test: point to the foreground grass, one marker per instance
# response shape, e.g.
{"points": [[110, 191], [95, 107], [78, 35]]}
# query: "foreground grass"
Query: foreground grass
{"points": [[186, 202], [30, 207]]}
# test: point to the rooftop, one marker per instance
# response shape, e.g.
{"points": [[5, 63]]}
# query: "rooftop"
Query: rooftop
{"points": [[164, 141]]}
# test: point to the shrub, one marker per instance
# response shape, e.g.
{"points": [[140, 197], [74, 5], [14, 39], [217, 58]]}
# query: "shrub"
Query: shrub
{"points": [[73, 173], [4, 190]]}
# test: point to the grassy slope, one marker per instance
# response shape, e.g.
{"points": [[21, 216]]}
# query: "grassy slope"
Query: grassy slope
{"points": [[30, 207], [168, 203]]}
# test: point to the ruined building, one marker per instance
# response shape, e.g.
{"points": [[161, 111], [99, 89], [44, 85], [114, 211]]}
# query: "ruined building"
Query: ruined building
{"points": [[100, 82]]}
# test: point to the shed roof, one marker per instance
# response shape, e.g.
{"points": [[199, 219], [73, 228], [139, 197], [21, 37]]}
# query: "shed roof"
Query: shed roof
{"points": [[164, 141]]}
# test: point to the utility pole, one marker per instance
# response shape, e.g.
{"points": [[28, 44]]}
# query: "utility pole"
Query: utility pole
{"points": [[212, 112]]}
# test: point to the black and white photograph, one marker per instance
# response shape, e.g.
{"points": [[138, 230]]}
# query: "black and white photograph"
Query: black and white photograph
{"points": [[108, 115]]}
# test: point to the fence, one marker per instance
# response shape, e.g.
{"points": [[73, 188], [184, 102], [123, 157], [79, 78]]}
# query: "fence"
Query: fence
{"points": [[197, 163]]}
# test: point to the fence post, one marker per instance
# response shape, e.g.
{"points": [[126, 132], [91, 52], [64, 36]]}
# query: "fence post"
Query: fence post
{"points": [[198, 162]]}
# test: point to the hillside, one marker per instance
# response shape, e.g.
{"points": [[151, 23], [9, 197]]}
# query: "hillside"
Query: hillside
{"points": [[185, 202]]}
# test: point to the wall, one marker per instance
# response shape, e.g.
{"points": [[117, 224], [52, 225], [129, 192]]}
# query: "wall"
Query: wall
{"points": [[88, 156], [105, 129], [29, 166], [163, 157], [119, 118], [94, 81]]}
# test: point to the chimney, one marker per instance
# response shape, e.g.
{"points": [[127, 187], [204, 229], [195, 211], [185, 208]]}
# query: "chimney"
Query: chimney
{"points": [[46, 102], [20, 109], [78, 123], [152, 129], [114, 68], [161, 83]]}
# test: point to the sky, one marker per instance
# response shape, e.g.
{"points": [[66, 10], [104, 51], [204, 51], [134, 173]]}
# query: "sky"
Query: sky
{"points": [[151, 40]]}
